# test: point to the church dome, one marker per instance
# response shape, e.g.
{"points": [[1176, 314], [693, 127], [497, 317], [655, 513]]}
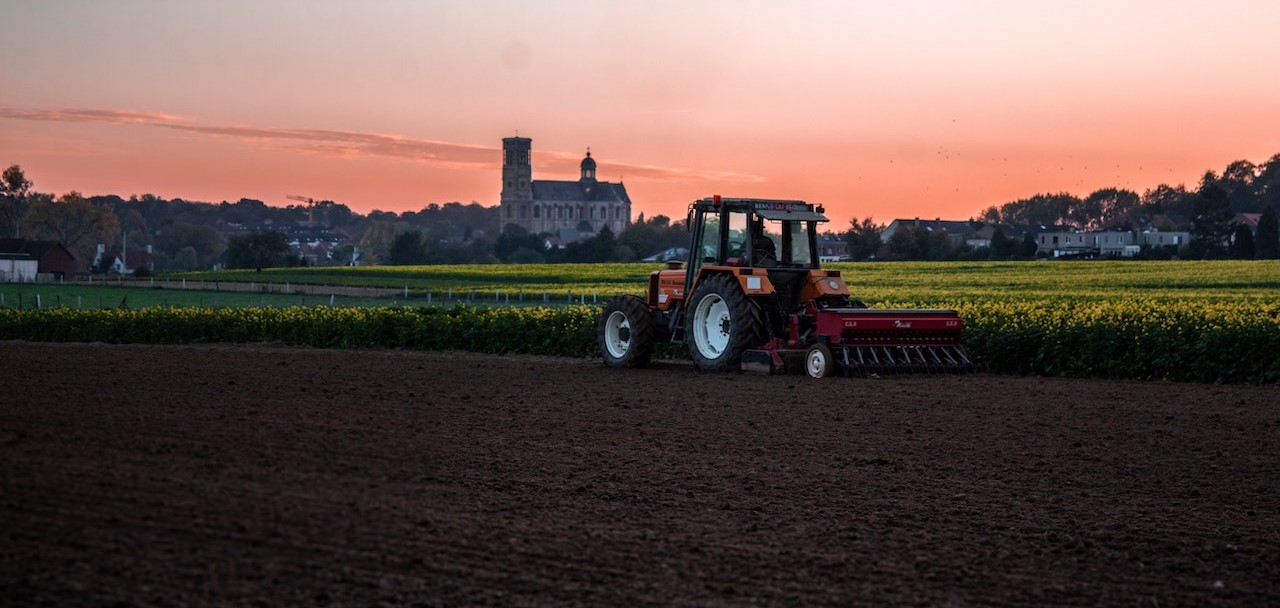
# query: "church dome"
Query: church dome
{"points": [[588, 168]]}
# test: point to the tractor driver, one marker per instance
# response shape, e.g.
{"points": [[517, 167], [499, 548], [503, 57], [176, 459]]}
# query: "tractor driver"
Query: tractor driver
{"points": [[763, 248]]}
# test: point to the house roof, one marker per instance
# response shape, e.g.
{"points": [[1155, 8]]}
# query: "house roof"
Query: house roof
{"points": [[1248, 219], [956, 227], [579, 192], [35, 249]]}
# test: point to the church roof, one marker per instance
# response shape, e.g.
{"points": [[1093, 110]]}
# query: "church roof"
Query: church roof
{"points": [[579, 192]]}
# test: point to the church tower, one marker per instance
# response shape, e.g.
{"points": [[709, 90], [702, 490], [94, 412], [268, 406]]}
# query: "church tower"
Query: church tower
{"points": [[517, 181]]}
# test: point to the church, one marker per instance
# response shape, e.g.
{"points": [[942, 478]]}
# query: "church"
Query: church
{"points": [[567, 209]]}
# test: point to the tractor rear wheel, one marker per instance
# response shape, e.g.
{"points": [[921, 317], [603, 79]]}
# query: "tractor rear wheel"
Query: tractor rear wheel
{"points": [[722, 323], [626, 333]]}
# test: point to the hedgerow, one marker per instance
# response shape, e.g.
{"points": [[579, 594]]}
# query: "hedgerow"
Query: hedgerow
{"points": [[1122, 339], [567, 331]]}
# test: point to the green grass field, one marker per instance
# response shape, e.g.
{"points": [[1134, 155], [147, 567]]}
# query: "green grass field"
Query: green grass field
{"points": [[24, 295], [952, 284], [926, 283]]}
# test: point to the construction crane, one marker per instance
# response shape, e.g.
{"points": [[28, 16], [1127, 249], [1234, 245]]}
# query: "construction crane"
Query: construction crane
{"points": [[311, 206]]}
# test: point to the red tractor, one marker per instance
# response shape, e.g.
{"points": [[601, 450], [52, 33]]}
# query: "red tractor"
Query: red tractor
{"points": [[752, 296]]}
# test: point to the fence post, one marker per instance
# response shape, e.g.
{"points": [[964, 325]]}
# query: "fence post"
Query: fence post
{"points": [[37, 300], [79, 304], [406, 292]]}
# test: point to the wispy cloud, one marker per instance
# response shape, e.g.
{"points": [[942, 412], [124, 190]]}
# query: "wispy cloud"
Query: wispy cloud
{"points": [[350, 144], [108, 116]]}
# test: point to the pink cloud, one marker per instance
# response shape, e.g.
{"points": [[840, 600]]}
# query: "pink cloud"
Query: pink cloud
{"points": [[349, 144]]}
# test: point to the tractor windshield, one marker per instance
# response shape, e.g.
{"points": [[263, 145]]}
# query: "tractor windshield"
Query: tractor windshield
{"points": [[783, 243]]}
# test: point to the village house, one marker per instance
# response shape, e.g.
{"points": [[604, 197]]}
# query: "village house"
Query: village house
{"points": [[24, 261], [123, 261]]}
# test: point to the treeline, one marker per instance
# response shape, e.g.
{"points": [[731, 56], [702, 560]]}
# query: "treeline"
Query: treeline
{"points": [[188, 235], [1209, 213]]}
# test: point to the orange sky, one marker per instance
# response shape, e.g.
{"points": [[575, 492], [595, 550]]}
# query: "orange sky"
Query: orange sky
{"points": [[927, 109]]}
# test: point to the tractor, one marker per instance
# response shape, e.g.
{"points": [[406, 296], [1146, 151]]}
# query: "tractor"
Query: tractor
{"points": [[752, 296]]}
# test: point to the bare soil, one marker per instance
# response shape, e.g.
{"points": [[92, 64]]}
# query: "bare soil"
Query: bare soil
{"points": [[258, 475]]}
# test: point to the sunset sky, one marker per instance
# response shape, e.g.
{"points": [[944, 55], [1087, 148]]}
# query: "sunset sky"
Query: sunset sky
{"points": [[887, 109]]}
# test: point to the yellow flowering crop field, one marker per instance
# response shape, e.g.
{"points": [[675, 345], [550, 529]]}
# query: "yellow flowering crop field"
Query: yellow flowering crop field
{"points": [[1188, 321]]}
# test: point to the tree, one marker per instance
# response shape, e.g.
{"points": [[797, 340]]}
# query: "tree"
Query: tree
{"points": [[1102, 206], [72, 221], [1168, 199], [1242, 247], [14, 203], [186, 259], [377, 240], [912, 242], [515, 239], [1029, 246], [1238, 180], [1267, 242], [863, 238], [407, 250], [207, 243], [1002, 247], [1039, 210], [260, 250], [600, 248], [1211, 221], [1267, 185]]}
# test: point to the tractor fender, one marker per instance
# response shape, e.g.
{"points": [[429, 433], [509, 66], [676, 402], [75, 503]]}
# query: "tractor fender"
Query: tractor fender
{"points": [[753, 281]]}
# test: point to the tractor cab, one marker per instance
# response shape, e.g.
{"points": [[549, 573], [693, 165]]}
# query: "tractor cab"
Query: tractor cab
{"points": [[776, 239]]}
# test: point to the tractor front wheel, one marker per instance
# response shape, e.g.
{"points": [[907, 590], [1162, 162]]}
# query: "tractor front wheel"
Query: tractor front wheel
{"points": [[626, 333], [722, 324], [818, 362]]}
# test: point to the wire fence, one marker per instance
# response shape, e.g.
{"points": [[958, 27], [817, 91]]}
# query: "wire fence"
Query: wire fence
{"points": [[141, 293]]}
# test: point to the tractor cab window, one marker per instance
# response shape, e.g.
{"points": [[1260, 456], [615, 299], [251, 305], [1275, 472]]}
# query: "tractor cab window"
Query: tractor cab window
{"points": [[708, 247], [781, 243], [736, 238], [798, 252]]}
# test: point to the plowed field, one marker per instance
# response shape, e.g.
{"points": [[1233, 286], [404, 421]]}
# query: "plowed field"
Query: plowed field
{"points": [[253, 475]]}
